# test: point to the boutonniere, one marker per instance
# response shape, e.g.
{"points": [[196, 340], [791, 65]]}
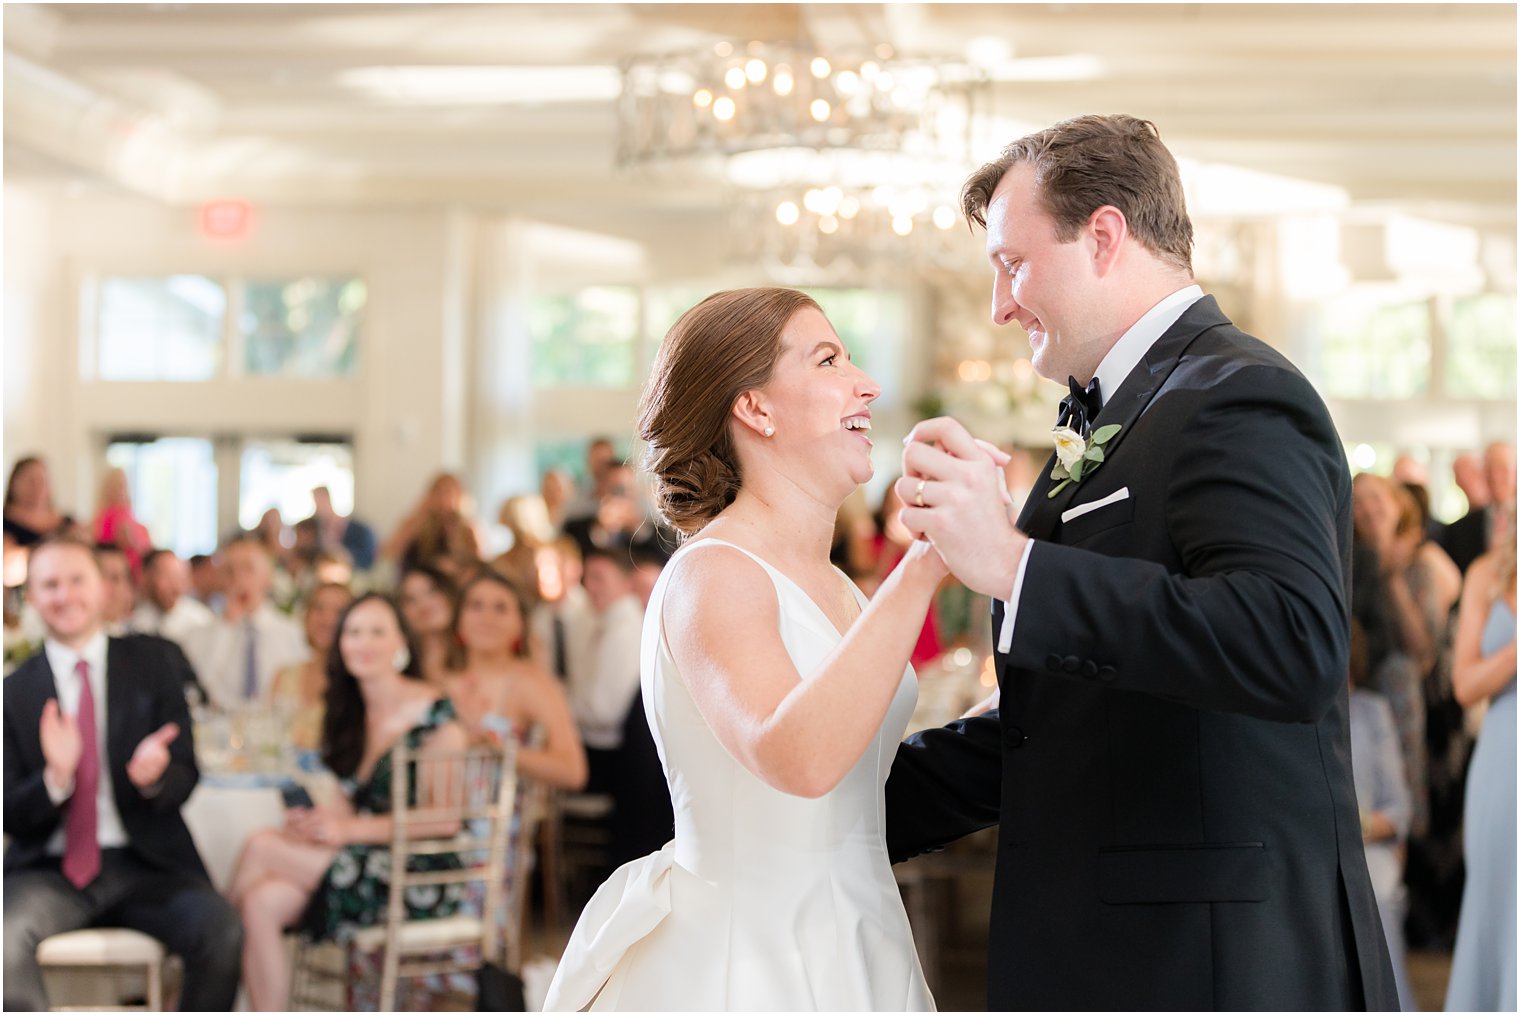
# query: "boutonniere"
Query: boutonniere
{"points": [[1076, 457]]}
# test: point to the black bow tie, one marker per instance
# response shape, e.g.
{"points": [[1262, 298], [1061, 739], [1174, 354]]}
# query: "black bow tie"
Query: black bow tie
{"points": [[1081, 407]]}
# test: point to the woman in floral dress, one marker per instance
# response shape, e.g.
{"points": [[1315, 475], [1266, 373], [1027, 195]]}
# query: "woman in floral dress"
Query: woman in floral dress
{"points": [[327, 868]]}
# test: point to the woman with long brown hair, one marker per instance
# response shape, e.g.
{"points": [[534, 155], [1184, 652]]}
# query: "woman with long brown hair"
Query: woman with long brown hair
{"points": [[315, 871], [776, 693]]}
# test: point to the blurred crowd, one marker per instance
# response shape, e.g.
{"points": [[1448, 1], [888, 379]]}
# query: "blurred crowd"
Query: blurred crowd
{"points": [[545, 636]]}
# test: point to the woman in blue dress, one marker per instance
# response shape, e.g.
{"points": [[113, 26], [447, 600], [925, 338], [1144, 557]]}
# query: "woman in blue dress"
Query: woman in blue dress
{"points": [[1483, 967]]}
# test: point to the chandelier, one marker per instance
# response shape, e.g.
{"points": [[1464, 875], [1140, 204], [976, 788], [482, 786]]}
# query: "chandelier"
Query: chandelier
{"points": [[829, 155], [726, 100]]}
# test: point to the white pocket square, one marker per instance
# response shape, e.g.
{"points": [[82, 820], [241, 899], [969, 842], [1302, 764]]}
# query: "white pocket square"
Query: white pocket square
{"points": [[1081, 509]]}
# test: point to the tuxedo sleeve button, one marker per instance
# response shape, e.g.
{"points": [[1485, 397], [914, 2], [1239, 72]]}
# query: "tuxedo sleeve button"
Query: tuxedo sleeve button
{"points": [[1013, 738], [1071, 664], [1089, 669], [1053, 662], [1107, 673]]}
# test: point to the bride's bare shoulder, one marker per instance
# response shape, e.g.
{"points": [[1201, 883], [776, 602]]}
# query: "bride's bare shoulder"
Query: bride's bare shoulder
{"points": [[713, 573]]}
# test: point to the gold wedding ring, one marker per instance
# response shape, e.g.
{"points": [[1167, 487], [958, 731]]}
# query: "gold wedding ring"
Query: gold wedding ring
{"points": [[918, 495]]}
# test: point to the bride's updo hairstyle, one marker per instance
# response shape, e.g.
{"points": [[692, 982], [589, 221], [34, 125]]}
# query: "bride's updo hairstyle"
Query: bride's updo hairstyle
{"points": [[722, 347]]}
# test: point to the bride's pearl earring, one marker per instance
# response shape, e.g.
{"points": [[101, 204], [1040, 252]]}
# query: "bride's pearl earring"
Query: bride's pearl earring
{"points": [[769, 431]]}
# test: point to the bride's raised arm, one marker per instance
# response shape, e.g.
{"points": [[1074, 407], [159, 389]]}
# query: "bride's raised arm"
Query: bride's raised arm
{"points": [[799, 733]]}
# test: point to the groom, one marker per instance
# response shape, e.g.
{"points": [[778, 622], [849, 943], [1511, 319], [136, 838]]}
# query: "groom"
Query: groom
{"points": [[1170, 766]]}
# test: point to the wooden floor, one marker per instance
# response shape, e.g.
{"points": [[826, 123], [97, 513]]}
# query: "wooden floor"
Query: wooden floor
{"points": [[1428, 973]]}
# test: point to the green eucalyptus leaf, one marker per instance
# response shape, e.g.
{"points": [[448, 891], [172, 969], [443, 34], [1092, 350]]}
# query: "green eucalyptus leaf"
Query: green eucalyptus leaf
{"points": [[1076, 469], [1059, 472], [1094, 454], [1104, 434]]}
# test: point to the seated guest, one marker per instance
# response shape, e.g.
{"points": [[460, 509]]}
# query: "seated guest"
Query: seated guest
{"points": [[29, 511], [601, 457], [621, 518], [115, 525], [427, 604], [120, 596], [602, 693], [98, 762], [238, 656], [207, 582], [436, 528], [556, 488], [319, 870], [343, 532], [300, 689], [500, 691], [561, 621], [620, 751], [648, 564], [527, 518], [166, 610], [1382, 791]]}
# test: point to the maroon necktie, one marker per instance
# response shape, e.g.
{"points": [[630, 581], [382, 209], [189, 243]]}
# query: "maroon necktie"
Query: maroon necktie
{"points": [[81, 849]]}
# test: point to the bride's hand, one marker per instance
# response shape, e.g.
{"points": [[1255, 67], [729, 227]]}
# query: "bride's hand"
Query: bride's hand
{"points": [[923, 561]]}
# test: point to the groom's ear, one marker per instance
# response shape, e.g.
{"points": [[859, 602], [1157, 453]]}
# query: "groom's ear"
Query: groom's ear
{"points": [[751, 412], [1106, 230]]}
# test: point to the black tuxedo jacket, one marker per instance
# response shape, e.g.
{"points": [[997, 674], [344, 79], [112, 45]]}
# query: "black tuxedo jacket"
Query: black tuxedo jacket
{"points": [[1170, 764], [144, 690]]}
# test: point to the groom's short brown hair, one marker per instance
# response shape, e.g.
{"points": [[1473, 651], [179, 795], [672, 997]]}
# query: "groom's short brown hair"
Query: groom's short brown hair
{"points": [[1087, 162]]}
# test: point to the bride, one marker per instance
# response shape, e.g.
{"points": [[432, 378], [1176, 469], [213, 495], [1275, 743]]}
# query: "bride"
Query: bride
{"points": [[776, 693]]}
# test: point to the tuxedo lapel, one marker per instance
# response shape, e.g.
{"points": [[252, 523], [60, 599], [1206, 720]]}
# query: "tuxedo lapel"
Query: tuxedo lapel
{"points": [[1043, 512]]}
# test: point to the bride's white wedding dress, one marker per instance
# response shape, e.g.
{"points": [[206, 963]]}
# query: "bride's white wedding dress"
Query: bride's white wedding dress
{"points": [[763, 900]]}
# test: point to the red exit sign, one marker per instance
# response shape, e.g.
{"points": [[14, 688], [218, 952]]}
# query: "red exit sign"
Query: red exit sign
{"points": [[226, 219]]}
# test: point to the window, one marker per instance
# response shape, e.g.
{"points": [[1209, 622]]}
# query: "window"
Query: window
{"points": [[302, 327], [1480, 347], [664, 306], [173, 483], [588, 338], [160, 329], [176, 327], [280, 474], [872, 323], [1369, 347]]}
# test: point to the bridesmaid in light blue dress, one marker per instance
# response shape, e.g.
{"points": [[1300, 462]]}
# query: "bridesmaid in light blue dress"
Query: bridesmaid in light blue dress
{"points": [[1483, 967]]}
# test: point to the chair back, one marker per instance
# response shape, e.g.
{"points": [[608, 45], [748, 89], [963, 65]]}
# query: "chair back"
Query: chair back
{"points": [[452, 814]]}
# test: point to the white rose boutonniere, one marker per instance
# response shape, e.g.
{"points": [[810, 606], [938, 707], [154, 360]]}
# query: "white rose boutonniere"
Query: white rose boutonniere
{"points": [[1076, 457]]}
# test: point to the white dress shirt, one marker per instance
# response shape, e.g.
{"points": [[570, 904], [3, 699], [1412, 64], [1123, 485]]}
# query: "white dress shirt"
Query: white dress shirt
{"points": [[601, 695], [109, 830], [187, 615], [1122, 357], [218, 653], [576, 618]]}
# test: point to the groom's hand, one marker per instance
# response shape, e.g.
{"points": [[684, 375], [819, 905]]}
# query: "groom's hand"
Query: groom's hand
{"points": [[954, 494]]}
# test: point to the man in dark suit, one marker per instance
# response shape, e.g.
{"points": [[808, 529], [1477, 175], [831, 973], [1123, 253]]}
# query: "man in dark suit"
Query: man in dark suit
{"points": [[1466, 539], [1170, 763], [98, 761]]}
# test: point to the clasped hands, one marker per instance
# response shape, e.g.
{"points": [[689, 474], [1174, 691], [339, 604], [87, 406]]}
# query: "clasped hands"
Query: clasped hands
{"points": [[955, 495], [62, 747], [321, 825]]}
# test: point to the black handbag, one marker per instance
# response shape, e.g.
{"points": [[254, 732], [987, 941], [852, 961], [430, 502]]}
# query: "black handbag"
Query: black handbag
{"points": [[500, 989]]}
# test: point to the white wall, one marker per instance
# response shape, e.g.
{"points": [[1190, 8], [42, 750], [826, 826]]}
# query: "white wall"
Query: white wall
{"points": [[407, 410], [33, 419]]}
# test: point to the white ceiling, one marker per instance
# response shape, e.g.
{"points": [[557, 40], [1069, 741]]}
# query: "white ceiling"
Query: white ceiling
{"points": [[1408, 105]]}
